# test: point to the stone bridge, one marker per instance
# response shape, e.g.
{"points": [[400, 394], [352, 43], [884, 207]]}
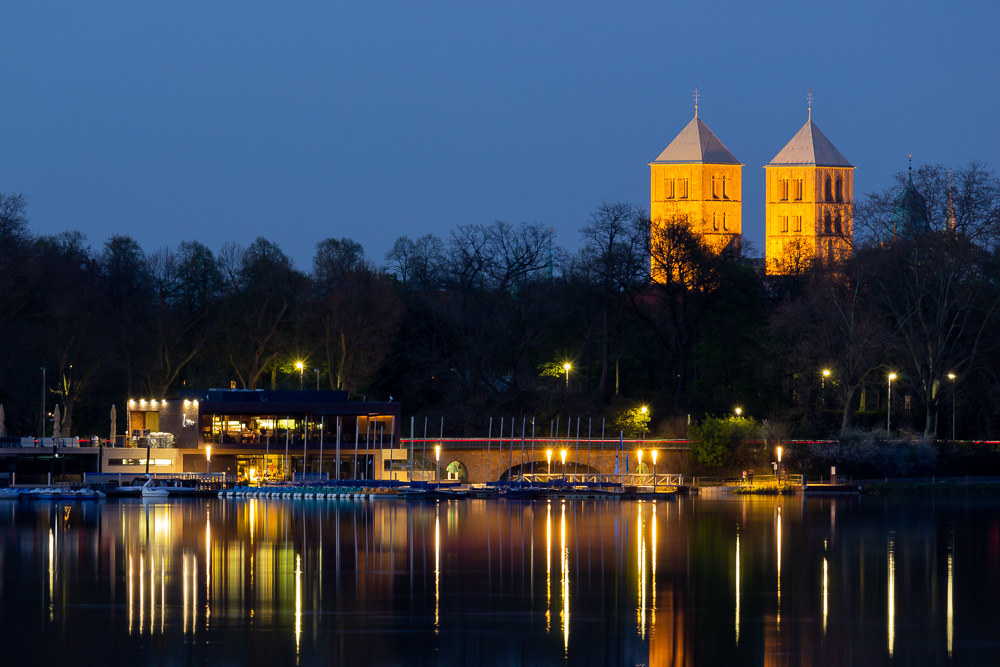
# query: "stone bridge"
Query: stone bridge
{"points": [[478, 460]]}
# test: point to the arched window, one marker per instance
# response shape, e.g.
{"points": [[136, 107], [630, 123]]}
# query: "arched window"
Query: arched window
{"points": [[715, 222], [826, 223], [828, 189], [837, 224], [840, 188], [725, 223], [715, 186], [725, 189]]}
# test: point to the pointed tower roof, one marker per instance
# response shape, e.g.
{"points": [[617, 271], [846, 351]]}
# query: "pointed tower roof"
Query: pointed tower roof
{"points": [[696, 144], [810, 147]]}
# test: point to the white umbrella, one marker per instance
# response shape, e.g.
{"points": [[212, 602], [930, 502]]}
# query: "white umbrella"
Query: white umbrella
{"points": [[3, 425], [114, 424], [56, 422]]}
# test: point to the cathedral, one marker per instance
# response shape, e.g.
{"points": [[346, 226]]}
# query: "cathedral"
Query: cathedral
{"points": [[809, 195]]}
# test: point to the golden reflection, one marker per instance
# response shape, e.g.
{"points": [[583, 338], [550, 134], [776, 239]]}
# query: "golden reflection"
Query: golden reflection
{"points": [[194, 593], [437, 567], [951, 626], [253, 520], [652, 624], [298, 603], [208, 568], [52, 570], [548, 566], [130, 588], [778, 618], [826, 594], [564, 616], [641, 569], [892, 596], [737, 588]]}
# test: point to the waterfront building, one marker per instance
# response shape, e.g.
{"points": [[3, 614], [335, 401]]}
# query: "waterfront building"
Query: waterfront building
{"points": [[262, 434]]}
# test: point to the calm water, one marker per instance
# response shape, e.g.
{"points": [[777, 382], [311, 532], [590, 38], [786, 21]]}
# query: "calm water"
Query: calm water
{"points": [[743, 581]]}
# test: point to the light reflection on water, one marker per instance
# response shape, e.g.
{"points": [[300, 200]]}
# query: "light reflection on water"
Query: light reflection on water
{"points": [[269, 582]]}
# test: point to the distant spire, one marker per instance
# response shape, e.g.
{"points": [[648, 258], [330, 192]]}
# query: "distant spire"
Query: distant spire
{"points": [[951, 206], [696, 98], [809, 101], [910, 156]]}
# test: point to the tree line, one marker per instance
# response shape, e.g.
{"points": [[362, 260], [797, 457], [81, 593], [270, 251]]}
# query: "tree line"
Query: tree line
{"points": [[484, 322]]}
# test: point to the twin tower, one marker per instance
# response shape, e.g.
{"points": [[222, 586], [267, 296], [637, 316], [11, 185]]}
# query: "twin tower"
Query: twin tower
{"points": [[809, 195]]}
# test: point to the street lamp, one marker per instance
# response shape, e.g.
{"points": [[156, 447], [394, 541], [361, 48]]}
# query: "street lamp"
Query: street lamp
{"points": [[301, 367], [644, 410], [316, 371], [952, 376], [548, 468], [638, 465], [566, 367], [822, 385], [562, 455], [739, 411], [41, 431], [653, 454], [779, 464], [888, 404], [437, 458], [208, 458]]}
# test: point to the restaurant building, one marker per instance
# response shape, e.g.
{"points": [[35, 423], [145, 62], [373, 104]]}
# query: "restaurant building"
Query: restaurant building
{"points": [[261, 435]]}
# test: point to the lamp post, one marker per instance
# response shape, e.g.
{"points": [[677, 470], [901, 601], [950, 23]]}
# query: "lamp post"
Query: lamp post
{"points": [[316, 371], [208, 458], [562, 455], [739, 411], [952, 376], [437, 458], [644, 411], [653, 454], [567, 367], [888, 404], [301, 367], [822, 387], [638, 465], [779, 464], [41, 430], [548, 468]]}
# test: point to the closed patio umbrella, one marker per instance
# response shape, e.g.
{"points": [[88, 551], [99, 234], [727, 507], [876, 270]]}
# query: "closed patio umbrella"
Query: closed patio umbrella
{"points": [[56, 423], [114, 425]]}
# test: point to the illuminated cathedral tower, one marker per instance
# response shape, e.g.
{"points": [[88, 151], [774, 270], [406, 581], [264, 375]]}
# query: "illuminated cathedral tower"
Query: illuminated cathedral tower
{"points": [[809, 203], [696, 178]]}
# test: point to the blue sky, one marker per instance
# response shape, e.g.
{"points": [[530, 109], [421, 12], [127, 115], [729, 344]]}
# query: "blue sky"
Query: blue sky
{"points": [[221, 121]]}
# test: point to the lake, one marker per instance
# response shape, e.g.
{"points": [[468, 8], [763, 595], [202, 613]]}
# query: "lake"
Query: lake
{"points": [[465, 582]]}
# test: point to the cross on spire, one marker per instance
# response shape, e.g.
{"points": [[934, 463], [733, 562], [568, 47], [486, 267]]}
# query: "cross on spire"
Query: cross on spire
{"points": [[696, 98], [809, 101], [910, 156]]}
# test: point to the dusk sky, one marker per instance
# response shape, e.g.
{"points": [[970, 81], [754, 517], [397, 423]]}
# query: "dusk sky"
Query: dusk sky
{"points": [[221, 121]]}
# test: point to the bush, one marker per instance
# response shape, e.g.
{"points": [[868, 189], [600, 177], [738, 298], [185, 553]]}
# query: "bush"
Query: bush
{"points": [[723, 442]]}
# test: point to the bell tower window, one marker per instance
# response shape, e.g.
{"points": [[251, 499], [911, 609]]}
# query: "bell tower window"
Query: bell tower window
{"points": [[799, 189], [783, 189], [828, 189], [725, 193]]}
